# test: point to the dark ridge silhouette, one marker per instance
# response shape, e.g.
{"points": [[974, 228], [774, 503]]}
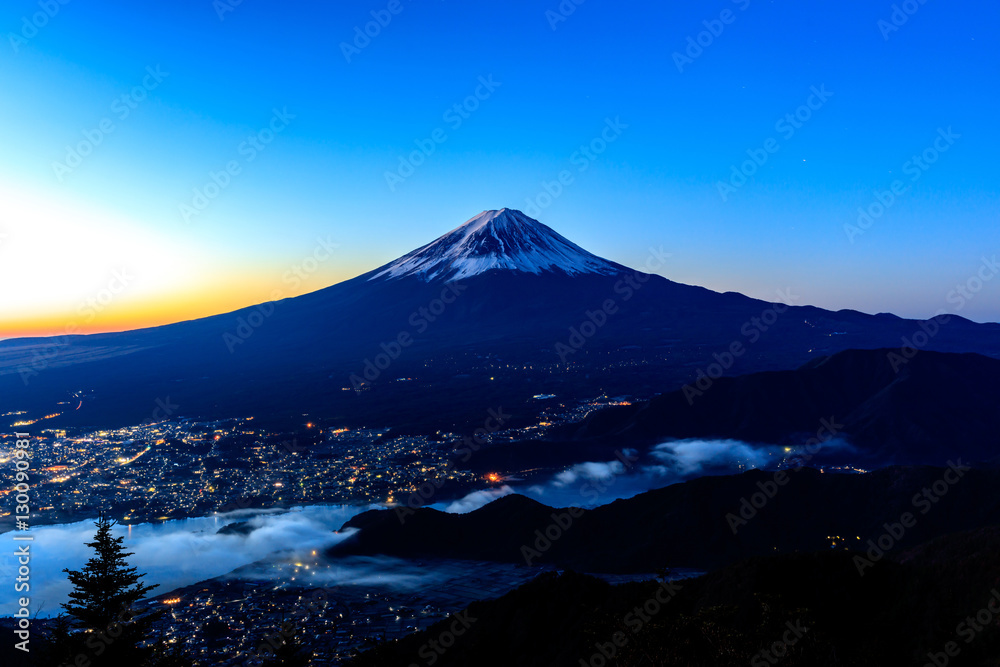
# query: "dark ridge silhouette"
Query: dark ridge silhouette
{"points": [[691, 525], [926, 409], [893, 616], [546, 332]]}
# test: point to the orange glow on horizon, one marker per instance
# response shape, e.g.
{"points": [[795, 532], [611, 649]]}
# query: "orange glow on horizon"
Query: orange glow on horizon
{"points": [[127, 315]]}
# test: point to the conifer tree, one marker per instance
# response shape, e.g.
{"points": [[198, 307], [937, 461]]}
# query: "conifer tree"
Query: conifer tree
{"points": [[101, 606]]}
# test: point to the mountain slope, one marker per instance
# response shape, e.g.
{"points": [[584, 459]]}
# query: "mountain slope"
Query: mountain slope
{"points": [[510, 329]]}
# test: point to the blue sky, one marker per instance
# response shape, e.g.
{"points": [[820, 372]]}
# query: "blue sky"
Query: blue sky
{"points": [[559, 79]]}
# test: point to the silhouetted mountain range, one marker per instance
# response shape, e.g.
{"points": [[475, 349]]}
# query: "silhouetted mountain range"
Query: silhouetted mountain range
{"points": [[925, 409], [494, 312], [700, 524]]}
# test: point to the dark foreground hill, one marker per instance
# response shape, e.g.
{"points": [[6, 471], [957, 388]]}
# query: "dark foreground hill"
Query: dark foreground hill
{"points": [[809, 610], [700, 524]]}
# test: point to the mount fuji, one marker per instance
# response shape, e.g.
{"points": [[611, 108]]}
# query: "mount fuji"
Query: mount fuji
{"points": [[494, 312], [504, 240]]}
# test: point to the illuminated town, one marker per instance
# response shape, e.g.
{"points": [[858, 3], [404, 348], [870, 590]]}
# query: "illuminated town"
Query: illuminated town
{"points": [[175, 469], [179, 468]]}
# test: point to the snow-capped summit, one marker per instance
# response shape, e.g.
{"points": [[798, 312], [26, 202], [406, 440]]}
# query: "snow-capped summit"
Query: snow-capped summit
{"points": [[497, 240]]}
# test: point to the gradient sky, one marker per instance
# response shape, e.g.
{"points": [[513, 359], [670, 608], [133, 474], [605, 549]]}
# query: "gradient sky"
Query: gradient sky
{"points": [[64, 235]]}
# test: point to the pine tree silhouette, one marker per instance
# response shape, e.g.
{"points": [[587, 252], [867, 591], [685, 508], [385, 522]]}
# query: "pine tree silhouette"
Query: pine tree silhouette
{"points": [[101, 606]]}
